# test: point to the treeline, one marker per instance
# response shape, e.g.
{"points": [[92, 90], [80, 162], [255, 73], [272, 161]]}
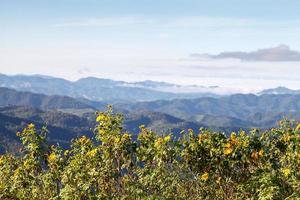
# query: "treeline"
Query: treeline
{"points": [[204, 165]]}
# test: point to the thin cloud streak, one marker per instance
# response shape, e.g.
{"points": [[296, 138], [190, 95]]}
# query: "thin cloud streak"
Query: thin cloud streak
{"points": [[105, 22], [178, 22]]}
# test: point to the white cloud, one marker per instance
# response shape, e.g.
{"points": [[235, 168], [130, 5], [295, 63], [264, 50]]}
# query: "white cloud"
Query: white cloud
{"points": [[274, 54], [203, 21]]}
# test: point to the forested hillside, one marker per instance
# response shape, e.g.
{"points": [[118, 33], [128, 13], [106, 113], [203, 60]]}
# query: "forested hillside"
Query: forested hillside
{"points": [[248, 110], [67, 117], [61, 132], [12, 97], [65, 126]]}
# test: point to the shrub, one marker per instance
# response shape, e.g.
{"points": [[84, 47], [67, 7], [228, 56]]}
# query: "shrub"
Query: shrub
{"points": [[204, 165]]}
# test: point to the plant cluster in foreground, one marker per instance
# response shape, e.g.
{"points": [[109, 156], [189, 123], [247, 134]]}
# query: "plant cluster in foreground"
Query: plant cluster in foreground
{"points": [[208, 165]]}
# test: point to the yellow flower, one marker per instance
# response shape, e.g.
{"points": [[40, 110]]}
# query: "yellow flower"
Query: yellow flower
{"points": [[117, 139], [286, 171], [66, 152], [92, 153], [205, 176], [167, 138], [228, 150], [52, 157], [219, 180], [31, 126], [83, 140], [100, 118]]}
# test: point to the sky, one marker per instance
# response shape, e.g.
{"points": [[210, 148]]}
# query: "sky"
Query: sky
{"points": [[249, 44]]}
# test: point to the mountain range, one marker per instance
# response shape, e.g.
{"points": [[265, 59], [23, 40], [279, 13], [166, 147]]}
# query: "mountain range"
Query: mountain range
{"points": [[68, 111], [99, 89]]}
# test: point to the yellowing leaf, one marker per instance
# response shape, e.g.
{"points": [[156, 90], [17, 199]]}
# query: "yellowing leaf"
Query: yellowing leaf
{"points": [[158, 142], [298, 127], [233, 136], [228, 145], [243, 134], [254, 155], [286, 138], [261, 152], [200, 138]]}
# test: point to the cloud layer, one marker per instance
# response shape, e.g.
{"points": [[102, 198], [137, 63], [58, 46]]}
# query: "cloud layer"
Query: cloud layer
{"points": [[275, 54]]}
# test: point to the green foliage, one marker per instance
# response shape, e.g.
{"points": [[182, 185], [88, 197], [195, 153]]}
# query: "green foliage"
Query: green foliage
{"points": [[204, 165]]}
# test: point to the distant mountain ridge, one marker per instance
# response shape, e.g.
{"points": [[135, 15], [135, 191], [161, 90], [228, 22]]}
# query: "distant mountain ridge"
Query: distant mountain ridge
{"points": [[279, 90], [97, 89]]}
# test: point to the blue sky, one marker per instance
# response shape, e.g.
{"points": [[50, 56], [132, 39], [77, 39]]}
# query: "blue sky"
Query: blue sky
{"points": [[150, 39]]}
